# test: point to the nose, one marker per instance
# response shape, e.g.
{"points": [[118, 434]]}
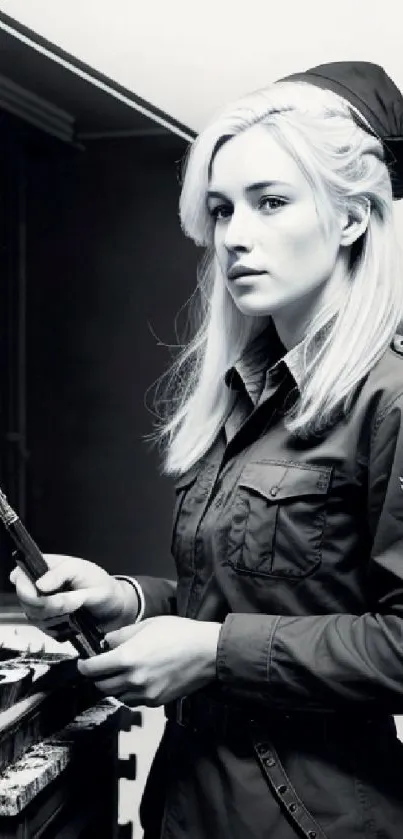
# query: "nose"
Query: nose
{"points": [[238, 233]]}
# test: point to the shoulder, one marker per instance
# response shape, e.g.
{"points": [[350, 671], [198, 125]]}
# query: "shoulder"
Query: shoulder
{"points": [[383, 386], [388, 371]]}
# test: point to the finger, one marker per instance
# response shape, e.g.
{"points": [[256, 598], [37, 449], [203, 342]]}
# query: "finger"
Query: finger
{"points": [[115, 686], [129, 697], [12, 576], [65, 603], [59, 605], [54, 606], [64, 571], [53, 560], [119, 636], [106, 664], [25, 589]]}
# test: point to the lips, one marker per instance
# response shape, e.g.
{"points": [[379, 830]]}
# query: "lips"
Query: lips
{"points": [[242, 271]]}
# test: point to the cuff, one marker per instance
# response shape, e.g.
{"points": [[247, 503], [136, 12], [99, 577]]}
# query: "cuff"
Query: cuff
{"points": [[243, 655], [139, 592]]}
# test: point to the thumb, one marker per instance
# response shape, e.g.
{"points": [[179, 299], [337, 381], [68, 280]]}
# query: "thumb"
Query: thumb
{"points": [[119, 636]]}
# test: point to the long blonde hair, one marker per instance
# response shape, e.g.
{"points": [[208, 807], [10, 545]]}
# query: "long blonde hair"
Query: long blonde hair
{"points": [[345, 167]]}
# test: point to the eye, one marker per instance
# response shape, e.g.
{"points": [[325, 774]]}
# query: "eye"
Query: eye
{"points": [[221, 211], [272, 202]]}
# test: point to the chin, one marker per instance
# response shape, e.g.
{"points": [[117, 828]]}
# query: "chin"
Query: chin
{"points": [[257, 308]]}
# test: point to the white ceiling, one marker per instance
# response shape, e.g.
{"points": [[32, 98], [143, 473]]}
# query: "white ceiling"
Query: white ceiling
{"points": [[189, 58]]}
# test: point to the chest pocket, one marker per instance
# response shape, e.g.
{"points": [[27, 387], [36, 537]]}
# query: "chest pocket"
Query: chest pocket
{"points": [[278, 520]]}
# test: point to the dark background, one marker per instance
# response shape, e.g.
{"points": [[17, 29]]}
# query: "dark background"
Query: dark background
{"points": [[96, 239]]}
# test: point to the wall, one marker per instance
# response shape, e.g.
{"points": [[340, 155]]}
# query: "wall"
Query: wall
{"points": [[106, 263]]}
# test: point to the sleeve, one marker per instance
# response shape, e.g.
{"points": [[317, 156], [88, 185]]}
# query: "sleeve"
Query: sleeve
{"points": [[328, 662], [156, 595]]}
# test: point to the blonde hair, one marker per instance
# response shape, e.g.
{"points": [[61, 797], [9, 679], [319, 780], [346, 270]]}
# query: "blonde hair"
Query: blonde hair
{"points": [[344, 165]]}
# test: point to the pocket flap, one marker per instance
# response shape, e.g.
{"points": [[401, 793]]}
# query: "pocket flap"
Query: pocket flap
{"points": [[276, 481]]}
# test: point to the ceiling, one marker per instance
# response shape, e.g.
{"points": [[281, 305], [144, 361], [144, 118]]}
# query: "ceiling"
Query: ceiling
{"points": [[132, 68], [59, 93], [188, 59], [93, 109]]}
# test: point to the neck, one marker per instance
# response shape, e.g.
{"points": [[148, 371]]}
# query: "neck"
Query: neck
{"points": [[292, 323]]}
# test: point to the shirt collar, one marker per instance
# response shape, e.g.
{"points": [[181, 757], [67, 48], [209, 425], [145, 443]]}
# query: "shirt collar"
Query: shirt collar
{"points": [[260, 359], [294, 360]]}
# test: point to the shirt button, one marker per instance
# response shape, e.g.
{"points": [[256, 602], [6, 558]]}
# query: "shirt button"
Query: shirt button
{"points": [[274, 491], [269, 761], [312, 834], [293, 807], [282, 789]]}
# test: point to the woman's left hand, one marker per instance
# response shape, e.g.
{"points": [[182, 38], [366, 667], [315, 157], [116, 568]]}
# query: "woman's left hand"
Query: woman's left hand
{"points": [[155, 661]]}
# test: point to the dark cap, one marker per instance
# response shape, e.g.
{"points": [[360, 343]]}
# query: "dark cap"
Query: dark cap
{"points": [[368, 88]]}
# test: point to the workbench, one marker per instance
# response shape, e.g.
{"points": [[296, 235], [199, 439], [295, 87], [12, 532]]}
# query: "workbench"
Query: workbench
{"points": [[66, 786]]}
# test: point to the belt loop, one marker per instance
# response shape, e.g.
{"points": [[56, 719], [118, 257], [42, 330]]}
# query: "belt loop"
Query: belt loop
{"points": [[183, 714], [179, 715]]}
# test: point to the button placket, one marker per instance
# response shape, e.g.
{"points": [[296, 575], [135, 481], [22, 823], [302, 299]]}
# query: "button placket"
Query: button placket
{"points": [[213, 481]]}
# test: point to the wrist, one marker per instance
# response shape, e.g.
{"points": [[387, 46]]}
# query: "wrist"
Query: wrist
{"points": [[126, 605], [130, 601], [211, 636]]}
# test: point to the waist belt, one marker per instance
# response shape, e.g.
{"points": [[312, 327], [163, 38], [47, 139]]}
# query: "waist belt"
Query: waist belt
{"points": [[199, 713]]}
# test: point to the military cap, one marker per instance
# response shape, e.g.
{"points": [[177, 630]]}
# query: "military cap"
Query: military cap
{"points": [[372, 92]]}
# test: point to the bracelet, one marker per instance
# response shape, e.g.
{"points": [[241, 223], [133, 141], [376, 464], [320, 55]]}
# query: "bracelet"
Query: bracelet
{"points": [[139, 591]]}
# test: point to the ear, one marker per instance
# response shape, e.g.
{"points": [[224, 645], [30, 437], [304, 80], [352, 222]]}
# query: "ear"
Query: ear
{"points": [[355, 221]]}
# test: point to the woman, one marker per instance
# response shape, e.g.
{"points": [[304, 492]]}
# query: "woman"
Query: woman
{"points": [[279, 651]]}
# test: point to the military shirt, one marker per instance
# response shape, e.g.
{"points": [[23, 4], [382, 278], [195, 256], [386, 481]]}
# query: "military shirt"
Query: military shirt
{"points": [[296, 547]]}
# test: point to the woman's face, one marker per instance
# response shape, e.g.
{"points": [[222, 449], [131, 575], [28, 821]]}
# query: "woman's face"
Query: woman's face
{"points": [[266, 221]]}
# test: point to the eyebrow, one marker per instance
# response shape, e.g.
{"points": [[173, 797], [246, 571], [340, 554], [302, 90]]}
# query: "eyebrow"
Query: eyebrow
{"points": [[251, 188]]}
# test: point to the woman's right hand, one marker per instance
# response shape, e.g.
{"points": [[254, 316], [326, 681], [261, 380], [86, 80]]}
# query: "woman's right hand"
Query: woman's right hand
{"points": [[48, 602]]}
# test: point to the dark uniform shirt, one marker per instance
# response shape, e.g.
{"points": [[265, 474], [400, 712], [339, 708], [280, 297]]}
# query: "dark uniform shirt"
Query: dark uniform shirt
{"points": [[297, 548]]}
